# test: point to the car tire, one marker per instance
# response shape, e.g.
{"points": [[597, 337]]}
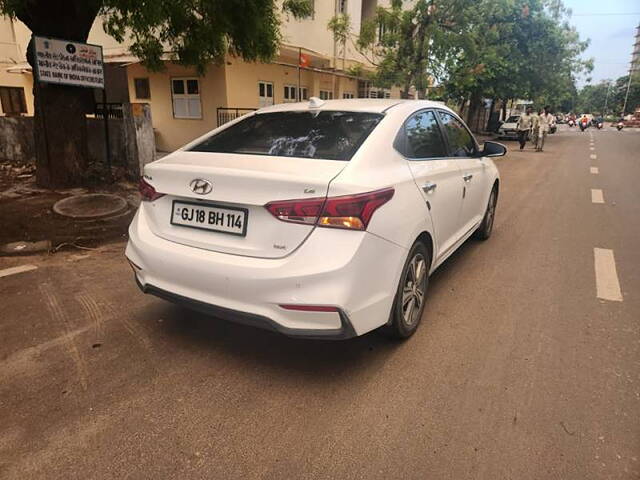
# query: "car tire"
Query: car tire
{"points": [[486, 226], [405, 316]]}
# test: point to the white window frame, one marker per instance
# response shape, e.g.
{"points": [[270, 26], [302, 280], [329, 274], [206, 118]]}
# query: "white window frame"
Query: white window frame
{"points": [[263, 100], [187, 97], [348, 95], [325, 95], [290, 93], [291, 89], [379, 93]]}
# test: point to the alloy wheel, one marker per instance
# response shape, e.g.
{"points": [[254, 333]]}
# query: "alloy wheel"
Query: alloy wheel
{"points": [[491, 211], [415, 285]]}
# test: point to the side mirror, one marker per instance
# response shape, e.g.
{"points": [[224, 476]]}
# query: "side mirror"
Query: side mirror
{"points": [[493, 149]]}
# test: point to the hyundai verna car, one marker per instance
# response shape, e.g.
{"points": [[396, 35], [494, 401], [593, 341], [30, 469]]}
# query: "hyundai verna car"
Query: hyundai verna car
{"points": [[320, 219]]}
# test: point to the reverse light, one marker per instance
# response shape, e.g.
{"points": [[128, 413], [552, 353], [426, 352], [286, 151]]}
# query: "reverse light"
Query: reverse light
{"points": [[347, 211], [147, 192]]}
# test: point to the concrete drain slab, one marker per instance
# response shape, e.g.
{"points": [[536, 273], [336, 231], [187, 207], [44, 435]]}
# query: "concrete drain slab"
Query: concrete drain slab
{"points": [[90, 206]]}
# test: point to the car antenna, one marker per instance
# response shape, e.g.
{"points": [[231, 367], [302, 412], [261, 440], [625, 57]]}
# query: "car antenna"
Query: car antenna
{"points": [[315, 102]]}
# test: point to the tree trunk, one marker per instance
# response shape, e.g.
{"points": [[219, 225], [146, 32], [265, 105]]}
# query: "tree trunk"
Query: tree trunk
{"points": [[474, 103], [60, 128], [60, 131], [488, 126]]}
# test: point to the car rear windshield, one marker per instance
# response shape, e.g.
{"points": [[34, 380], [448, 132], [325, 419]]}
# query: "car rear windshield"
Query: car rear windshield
{"points": [[327, 135]]}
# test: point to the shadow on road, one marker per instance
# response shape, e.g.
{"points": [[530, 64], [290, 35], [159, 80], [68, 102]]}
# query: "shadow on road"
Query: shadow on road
{"points": [[197, 333], [216, 338]]}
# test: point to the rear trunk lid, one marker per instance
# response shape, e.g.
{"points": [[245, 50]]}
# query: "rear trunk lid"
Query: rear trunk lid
{"points": [[240, 183]]}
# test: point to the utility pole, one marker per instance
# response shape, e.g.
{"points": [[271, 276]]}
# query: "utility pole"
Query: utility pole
{"points": [[626, 97], [606, 98]]}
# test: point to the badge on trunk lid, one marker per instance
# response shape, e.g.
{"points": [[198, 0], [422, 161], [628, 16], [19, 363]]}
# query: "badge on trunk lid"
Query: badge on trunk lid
{"points": [[201, 186]]}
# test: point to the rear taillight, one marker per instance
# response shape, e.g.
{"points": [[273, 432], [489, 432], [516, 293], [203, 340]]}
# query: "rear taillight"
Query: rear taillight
{"points": [[147, 192], [297, 211], [348, 211]]}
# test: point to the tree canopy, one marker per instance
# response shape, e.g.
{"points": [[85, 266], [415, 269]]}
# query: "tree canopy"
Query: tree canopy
{"points": [[474, 49]]}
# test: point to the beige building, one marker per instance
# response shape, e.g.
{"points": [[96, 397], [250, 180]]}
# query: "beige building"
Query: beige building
{"points": [[185, 105]]}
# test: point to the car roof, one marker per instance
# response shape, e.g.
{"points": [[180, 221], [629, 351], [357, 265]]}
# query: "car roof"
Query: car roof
{"points": [[374, 105]]}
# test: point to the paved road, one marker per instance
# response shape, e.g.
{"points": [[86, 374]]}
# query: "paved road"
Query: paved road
{"points": [[519, 370]]}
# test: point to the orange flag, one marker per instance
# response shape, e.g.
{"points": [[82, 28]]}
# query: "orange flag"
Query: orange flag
{"points": [[304, 60]]}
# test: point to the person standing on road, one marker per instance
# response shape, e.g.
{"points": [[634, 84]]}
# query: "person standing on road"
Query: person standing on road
{"points": [[523, 127], [535, 128], [545, 119]]}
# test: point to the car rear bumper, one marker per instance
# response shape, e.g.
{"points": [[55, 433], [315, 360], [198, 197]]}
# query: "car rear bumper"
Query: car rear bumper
{"points": [[355, 272], [344, 332]]}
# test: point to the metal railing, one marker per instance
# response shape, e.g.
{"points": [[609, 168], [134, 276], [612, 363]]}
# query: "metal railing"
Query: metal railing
{"points": [[111, 110], [226, 114]]}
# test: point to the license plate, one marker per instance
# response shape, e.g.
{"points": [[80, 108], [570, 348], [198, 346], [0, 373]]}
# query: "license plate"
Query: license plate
{"points": [[215, 218]]}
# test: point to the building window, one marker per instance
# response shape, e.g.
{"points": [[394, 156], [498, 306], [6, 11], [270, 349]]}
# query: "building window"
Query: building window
{"points": [[290, 93], [12, 100], [185, 93], [326, 95], [141, 86], [342, 7], [348, 95], [265, 94], [381, 93]]}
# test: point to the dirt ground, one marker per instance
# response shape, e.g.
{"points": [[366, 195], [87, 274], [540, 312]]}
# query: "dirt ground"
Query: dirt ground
{"points": [[26, 212]]}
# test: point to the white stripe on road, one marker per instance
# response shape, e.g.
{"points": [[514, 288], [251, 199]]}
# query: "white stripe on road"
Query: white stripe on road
{"points": [[593, 156], [596, 196], [607, 284], [19, 269], [594, 170], [591, 148]]}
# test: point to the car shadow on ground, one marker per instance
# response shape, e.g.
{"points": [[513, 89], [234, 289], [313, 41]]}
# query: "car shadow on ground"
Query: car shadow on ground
{"points": [[195, 332], [210, 335]]}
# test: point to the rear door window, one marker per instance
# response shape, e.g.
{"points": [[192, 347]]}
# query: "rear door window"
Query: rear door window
{"points": [[424, 138], [329, 135], [461, 143]]}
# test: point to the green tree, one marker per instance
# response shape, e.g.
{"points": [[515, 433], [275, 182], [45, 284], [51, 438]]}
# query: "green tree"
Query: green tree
{"points": [[518, 49], [187, 31], [413, 44], [591, 98]]}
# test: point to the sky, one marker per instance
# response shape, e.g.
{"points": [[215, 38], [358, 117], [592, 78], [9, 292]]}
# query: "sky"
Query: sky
{"points": [[612, 36]]}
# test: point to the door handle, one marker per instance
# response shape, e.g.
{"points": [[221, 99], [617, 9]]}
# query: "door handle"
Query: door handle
{"points": [[467, 177], [429, 187]]}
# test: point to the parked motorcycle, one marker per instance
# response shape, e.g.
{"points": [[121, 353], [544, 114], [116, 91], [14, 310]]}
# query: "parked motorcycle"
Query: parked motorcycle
{"points": [[620, 126], [571, 123]]}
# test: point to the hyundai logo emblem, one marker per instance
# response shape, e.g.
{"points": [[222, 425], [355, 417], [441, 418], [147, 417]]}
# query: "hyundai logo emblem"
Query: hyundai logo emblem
{"points": [[200, 186]]}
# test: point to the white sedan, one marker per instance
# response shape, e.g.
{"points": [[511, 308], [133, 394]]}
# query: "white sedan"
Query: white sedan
{"points": [[321, 219]]}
